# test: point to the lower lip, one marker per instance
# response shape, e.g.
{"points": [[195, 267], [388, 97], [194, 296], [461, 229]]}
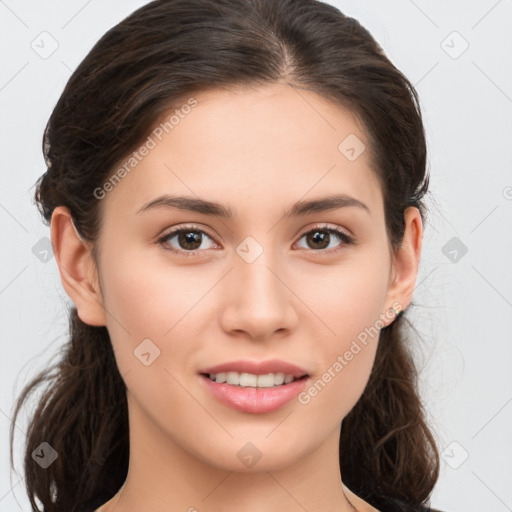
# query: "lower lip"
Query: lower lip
{"points": [[254, 400]]}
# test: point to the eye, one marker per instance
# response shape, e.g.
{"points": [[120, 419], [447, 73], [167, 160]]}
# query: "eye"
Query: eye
{"points": [[189, 240], [321, 237]]}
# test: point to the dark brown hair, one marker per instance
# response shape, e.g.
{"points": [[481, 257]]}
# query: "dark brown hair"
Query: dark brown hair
{"points": [[153, 60]]}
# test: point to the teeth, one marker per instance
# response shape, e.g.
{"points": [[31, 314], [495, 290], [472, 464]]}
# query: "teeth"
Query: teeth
{"points": [[268, 380]]}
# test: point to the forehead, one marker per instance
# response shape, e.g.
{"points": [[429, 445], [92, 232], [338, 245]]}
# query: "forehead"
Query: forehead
{"points": [[252, 147]]}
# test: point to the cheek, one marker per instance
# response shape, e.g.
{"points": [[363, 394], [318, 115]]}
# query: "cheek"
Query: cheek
{"points": [[152, 322], [149, 293], [144, 301], [150, 298], [351, 306], [347, 297]]}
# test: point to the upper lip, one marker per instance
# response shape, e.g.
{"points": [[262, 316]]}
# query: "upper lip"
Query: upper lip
{"points": [[257, 368]]}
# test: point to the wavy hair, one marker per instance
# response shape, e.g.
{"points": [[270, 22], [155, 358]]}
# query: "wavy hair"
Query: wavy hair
{"points": [[141, 68]]}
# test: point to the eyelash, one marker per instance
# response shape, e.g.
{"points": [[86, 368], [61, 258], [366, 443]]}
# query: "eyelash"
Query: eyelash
{"points": [[346, 239]]}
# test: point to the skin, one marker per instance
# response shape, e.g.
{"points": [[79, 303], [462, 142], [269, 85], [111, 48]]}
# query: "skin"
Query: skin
{"points": [[257, 151]]}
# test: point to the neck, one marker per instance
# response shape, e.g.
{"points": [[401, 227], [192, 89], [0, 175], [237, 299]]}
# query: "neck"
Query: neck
{"points": [[164, 476]]}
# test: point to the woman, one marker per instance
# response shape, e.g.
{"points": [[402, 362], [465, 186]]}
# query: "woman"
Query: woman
{"points": [[235, 192]]}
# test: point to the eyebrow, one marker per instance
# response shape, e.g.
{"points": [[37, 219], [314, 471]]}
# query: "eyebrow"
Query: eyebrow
{"points": [[300, 208]]}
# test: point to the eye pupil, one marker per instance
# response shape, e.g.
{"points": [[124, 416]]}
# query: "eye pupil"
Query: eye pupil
{"points": [[319, 237], [189, 237]]}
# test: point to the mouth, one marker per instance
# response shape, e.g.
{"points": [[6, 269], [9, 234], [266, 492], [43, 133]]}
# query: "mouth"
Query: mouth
{"points": [[253, 393], [244, 379]]}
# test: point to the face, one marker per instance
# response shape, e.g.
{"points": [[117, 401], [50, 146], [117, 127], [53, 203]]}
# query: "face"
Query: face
{"points": [[310, 288]]}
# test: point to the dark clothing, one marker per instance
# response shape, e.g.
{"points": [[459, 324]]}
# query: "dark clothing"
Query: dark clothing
{"points": [[381, 503], [385, 504]]}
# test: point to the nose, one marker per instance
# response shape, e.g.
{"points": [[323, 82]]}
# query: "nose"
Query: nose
{"points": [[258, 301]]}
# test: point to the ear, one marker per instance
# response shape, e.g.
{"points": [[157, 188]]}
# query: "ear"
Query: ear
{"points": [[77, 268], [406, 262]]}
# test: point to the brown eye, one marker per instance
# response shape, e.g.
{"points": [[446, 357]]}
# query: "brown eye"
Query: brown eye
{"points": [[321, 238], [190, 240], [318, 239], [186, 241]]}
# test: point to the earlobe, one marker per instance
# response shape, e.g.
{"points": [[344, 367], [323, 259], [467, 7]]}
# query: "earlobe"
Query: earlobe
{"points": [[406, 261], [77, 268]]}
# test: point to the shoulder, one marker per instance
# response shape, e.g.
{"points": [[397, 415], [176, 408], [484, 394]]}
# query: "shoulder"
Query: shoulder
{"points": [[95, 504], [394, 505], [85, 508], [387, 504], [91, 507]]}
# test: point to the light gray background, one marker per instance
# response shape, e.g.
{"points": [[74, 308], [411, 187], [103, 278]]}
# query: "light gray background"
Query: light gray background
{"points": [[464, 301]]}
